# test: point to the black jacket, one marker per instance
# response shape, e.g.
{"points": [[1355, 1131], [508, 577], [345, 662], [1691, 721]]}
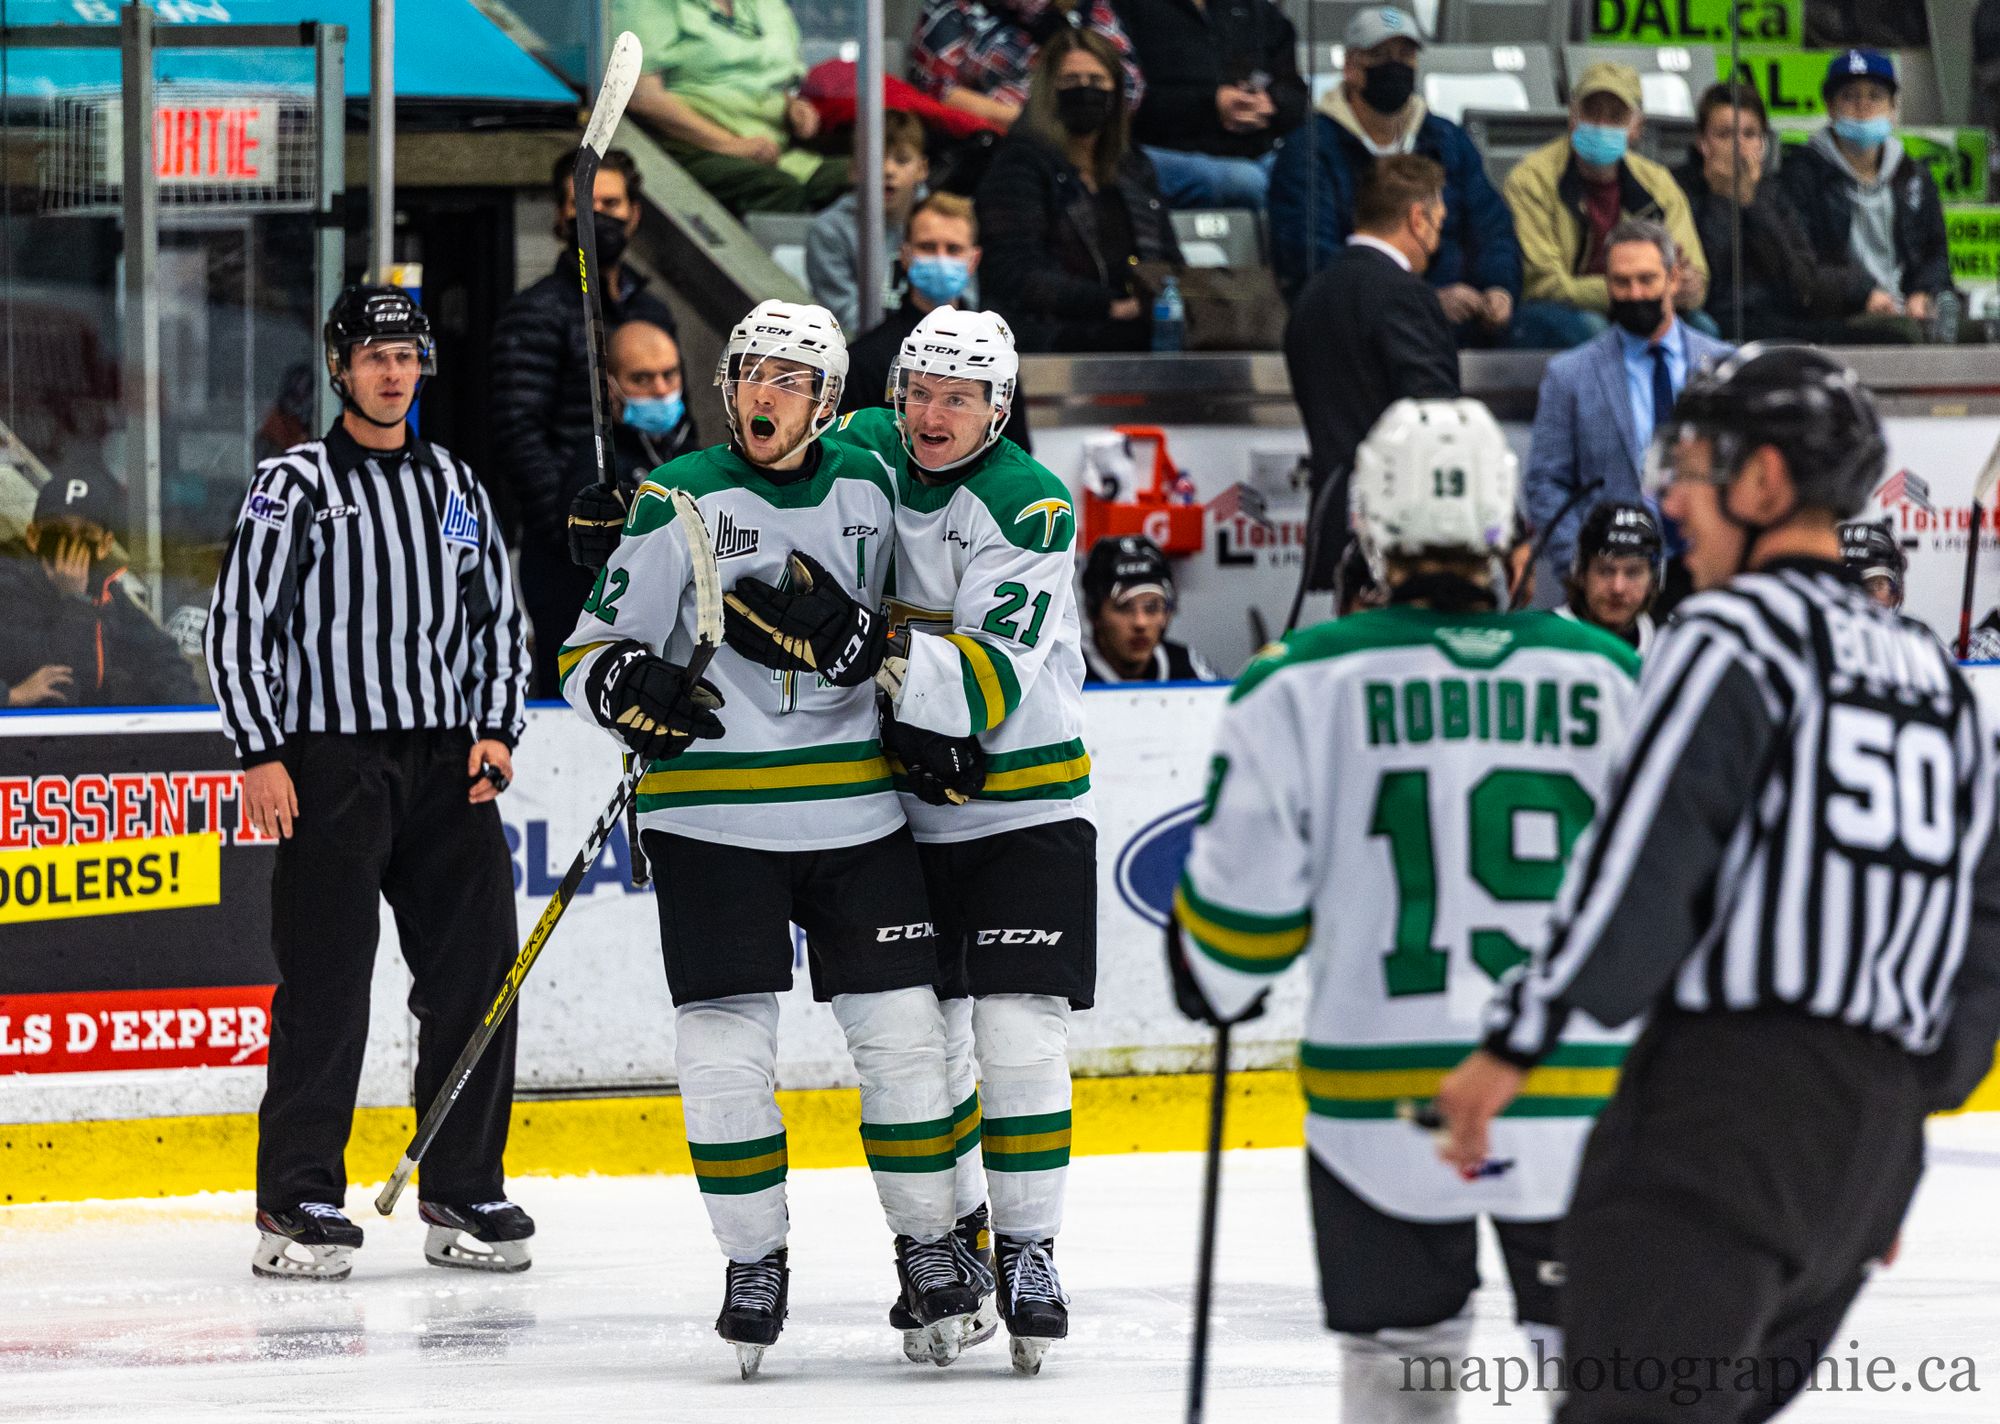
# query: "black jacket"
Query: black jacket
{"points": [[1363, 335], [1188, 51], [871, 355], [117, 656], [1783, 280], [540, 392], [1045, 269], [634, 453], [1819, 190]]}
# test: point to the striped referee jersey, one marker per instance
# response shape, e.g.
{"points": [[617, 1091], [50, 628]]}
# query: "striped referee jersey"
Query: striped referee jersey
{"points": [[364, 591], [1800, 818]]}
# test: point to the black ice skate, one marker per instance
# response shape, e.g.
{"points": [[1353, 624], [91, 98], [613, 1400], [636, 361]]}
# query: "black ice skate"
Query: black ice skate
{"points": [[973, 1241], [486, 1236], [941, 1296], [1032, 1300], [753, 1308], [308, 1242]]}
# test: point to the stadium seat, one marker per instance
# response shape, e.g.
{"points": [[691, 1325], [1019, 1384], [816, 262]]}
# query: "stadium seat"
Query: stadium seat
{"points": [[1671, 77], [1496, 78], [1505, 137], [783, 235], [1221, 237], [1486, 22]]}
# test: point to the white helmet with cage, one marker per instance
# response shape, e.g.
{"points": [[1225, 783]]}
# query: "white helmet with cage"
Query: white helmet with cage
{"points": [[961, 345], [786, 331], [1434, 477]]}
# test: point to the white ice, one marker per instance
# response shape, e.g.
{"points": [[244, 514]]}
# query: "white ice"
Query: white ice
{"points": [[146, 1310]]}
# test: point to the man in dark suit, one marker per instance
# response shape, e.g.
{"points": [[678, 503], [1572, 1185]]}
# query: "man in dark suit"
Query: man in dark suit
{"points": [[1366, 333]]}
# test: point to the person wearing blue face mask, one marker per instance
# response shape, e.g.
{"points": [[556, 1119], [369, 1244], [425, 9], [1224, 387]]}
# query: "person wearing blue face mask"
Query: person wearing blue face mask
{"points": [[651, 428], [1872, 212], [1568, 195], [939, 261]]}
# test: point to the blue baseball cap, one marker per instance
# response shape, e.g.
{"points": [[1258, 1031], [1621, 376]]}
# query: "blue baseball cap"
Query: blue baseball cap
{"points": [[1852, 64]]}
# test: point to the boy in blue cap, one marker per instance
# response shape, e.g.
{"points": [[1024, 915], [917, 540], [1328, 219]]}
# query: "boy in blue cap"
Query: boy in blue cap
{"points": [[1873, 213]]}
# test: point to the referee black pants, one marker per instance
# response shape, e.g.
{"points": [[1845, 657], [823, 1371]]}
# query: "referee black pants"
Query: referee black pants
{"points": [[384, 815], [1730, 1201]]}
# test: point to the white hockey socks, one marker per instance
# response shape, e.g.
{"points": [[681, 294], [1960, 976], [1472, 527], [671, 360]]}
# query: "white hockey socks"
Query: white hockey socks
{"points": [[1403, 1376], [1023, 1048], [962, 1078], [726, 1052], [897, 1041]]}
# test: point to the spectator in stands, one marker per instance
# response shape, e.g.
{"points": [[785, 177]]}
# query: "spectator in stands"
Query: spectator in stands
{"points": [[651, 425], [1567, 197], [541, 392], [1786, 292], [1620, 553], [1128, 597], [940, 256], [1222, 91], [1873, 213], [71, 636], [976, 55], [1069, 209], [1600, 402], [833, 242], [1374, 113], [720, 89], [1366, 333]]}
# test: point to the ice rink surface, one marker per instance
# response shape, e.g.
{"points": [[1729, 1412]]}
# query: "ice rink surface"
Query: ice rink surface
{"points": [[143, 1311]]}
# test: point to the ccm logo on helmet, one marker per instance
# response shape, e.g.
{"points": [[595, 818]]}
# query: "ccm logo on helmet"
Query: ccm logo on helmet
{"points": [[1019, 937], [889, 934]]}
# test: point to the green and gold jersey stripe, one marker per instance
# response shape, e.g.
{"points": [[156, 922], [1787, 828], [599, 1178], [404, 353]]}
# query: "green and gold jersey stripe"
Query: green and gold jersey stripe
{"points": [[965, 1125], [739, 1168], [909, 1146], [991, 688], [1037, 1142], [803, 774], [567, 658], [1368, 1081], [1059, 771], [1236, 939]]}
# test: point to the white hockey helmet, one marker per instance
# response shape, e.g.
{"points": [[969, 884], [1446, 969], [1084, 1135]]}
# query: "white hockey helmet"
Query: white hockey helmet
{"points": [[787, 331], [1434, 476], [966, 345]]}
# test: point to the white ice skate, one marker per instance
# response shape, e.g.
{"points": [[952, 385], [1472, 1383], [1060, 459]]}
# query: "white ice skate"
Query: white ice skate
{"points": [[312, 1241], [484, 1236]]}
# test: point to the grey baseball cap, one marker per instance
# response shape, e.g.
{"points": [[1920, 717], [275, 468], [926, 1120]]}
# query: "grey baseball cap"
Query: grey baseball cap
{"points": [[1380, 25]]}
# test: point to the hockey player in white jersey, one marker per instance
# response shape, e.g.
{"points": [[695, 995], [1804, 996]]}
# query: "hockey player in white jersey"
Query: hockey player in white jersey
{"points": [[980, 657], [1395, 795], [787, 814]]}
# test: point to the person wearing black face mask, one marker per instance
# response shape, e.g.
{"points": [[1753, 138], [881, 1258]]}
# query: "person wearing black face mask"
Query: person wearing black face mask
{"points": [[1069, 209], [1376, 112], [1222, 92], [71, 636], [541, 394], [1582, 433]]}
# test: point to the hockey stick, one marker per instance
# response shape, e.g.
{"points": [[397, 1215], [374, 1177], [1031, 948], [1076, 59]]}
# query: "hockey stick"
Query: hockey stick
{"points": [[621, 75], [708, 637], [1982, 500], [1211, 1196]]}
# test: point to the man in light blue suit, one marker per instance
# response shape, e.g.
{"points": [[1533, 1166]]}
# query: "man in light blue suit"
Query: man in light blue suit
{"points": [[1600, 402]]}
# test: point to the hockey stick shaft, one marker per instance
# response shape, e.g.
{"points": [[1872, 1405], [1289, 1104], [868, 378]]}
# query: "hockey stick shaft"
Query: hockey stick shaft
{"points": [[1211, 1197], [1982, 500]]}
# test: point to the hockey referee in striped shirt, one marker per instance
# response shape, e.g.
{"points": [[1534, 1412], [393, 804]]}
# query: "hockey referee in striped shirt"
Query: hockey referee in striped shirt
{"points": [[367, 653], [1793, 878]]}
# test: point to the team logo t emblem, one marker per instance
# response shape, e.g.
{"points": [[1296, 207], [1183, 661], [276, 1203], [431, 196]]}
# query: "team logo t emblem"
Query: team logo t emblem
{"points": [[1051, 510]]}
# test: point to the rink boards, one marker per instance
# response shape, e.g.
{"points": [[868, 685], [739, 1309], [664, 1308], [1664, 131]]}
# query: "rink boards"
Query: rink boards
{"points": [[135, 971]]}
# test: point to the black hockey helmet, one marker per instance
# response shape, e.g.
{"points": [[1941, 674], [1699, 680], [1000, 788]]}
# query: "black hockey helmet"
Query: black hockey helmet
{"points": [[1811, 407], [1619, 527], [364, 313], [1129, 563], [1870, 551]]}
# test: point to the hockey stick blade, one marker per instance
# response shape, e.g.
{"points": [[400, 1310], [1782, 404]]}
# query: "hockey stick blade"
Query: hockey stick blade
{"points": [[614, 92]]}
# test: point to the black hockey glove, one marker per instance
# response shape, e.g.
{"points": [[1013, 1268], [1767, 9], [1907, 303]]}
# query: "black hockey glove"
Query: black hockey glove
{"points": [[812, 626], [596, 523], [1188, 997], [652, 705], [944, 771]]}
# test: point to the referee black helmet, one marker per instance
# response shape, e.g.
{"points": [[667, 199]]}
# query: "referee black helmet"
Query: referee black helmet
{"points": [[1804, 403], [364, 313]]}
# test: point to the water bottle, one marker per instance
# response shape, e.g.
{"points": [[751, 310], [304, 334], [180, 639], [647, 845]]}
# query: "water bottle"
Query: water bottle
{"points": [[1944, 321], [1181, 491], [1169, 318]]}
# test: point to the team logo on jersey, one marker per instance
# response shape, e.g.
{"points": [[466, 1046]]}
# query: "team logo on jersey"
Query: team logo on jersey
{"points": [[1476, 647], [1150, 864], [460, 524], [1052, 511], [732, 540], [266, 509]]}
